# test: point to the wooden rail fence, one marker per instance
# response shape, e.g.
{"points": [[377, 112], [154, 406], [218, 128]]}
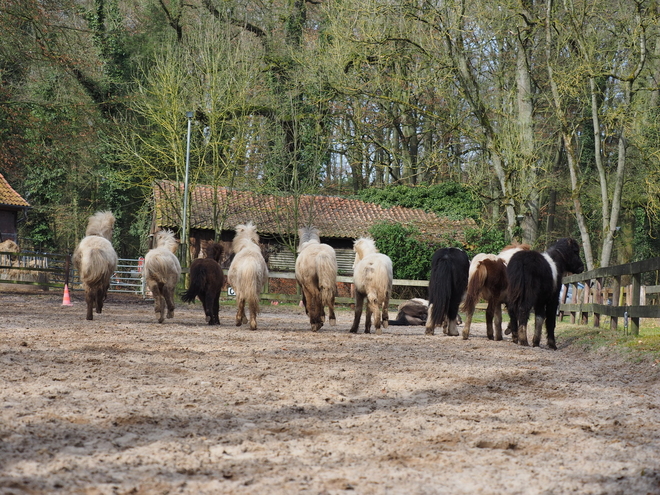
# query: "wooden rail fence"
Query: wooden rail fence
{"points": [[603, 294]]}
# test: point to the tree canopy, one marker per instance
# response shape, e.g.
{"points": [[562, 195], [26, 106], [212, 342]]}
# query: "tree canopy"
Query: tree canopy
{"points": [[537, 118]]}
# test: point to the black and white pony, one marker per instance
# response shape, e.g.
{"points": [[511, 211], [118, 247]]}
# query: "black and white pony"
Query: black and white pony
{"points": [[535, 283], [447, 285]]}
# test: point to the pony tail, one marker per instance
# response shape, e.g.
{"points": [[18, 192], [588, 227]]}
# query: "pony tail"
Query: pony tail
{"points": [[475, 284], [195, 286], [516, 289], [441, 281], [326, 266]]}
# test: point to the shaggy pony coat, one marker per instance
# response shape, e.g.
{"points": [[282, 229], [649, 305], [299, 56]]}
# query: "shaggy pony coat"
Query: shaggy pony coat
{"points": [[247, 273], [447, 285], [488, 280], [372, 276], [535, 283], [161, 272], [96, 260], [316, 273]]}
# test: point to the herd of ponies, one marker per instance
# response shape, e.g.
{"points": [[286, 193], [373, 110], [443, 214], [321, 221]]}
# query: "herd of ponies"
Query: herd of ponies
{"points": [[522, 279]]}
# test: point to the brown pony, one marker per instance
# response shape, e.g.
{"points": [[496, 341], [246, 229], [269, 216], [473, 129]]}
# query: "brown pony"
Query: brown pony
{"points": [[248, 273], [316, 272], [206, 281], [96, 260], [487, 279], [161, 272]]}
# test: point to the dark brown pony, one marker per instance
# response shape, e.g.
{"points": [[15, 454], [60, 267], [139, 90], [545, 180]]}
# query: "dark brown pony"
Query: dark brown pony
{"points": [[412, 312], [488, 280], [206, 281]]}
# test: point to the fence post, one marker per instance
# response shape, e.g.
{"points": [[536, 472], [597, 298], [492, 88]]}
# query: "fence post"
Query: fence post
{"points": [[584, 315], [598, 300], [574, 298], [636, 289], [616, 290]]}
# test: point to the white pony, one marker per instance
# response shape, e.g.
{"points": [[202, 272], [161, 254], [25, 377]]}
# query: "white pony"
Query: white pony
{"points": [[161, 272], [247, 273], [372, 275], [96, 260], [316, 272]]}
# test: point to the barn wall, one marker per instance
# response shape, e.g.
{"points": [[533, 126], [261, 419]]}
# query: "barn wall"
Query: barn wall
{"points": [[8, 220]]}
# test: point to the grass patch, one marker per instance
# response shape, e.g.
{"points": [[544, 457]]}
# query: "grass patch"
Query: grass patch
{"points": [[645, 346]]}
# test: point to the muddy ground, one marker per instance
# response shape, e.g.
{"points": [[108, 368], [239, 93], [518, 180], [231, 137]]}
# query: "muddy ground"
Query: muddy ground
{"points": [[124, 405]]}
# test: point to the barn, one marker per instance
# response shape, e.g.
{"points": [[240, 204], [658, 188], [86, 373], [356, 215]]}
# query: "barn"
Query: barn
{"points": [[340, 220], [11, 204]]}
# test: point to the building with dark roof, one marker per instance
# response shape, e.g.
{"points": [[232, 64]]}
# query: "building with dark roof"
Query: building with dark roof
{"points": [[11, 203], [339, 220]]}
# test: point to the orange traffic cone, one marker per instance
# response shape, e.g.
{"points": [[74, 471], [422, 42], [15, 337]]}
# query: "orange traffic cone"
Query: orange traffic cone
{"points": [[66, 300]]}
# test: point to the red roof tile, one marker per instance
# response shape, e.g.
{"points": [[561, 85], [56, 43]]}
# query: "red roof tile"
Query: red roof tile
{"points": [[8, 196], [334, 216]]}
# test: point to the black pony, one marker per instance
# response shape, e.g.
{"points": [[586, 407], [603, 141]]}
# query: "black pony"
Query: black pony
{"points": [[535, 282], [448, 283], [206, 281]]}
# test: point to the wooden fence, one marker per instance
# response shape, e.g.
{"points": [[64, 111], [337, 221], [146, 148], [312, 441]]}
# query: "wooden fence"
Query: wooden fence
{"points": [[603, 294]]}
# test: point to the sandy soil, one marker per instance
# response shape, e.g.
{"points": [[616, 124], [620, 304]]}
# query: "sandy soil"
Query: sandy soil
{"points": [[123, 405]]}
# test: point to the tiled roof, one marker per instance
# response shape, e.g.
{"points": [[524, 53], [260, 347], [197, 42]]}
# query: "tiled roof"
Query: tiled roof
{"points": [[10, 197], [335, 217]]}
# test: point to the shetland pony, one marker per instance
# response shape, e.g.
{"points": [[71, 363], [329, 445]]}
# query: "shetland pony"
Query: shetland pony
{"points": [[248, 273], [412, 312], [535, 282], [487, 279], [448, 282], [96, 260], [372, 276], [206, 281], [161, 272], [316, 272]]}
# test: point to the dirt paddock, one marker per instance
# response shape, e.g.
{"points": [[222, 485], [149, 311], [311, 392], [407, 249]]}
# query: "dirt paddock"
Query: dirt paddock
{"points": [[123, 405]]}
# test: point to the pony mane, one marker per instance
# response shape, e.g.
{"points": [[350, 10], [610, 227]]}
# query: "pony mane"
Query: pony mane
{"points": [[166, 239], [308, 234], [214, 251], [101, 224], [364, 246], [246, 234]]}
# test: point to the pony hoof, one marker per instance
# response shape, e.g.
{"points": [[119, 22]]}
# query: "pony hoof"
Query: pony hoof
{"points": [[316, 327], [170, 315], [239, 323], [253, 326], [429, 331], [466, 336], [161, 320], [333, 322], [353, 330]]}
